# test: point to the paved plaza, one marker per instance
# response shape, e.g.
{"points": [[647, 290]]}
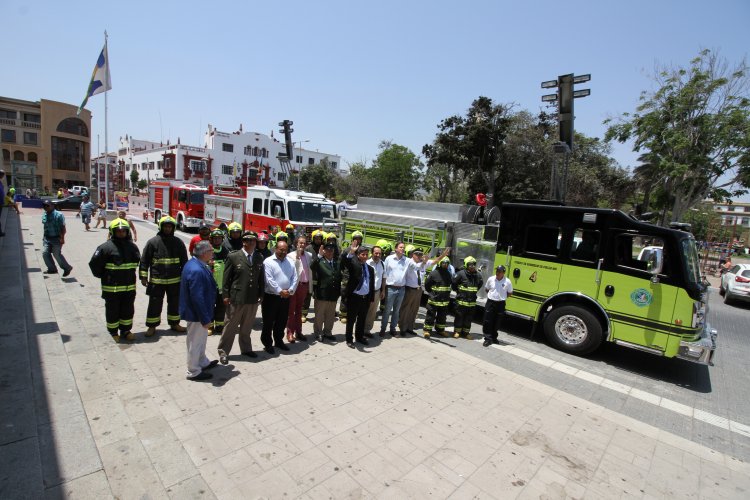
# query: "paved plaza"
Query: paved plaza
{"points": [[402, 418]]}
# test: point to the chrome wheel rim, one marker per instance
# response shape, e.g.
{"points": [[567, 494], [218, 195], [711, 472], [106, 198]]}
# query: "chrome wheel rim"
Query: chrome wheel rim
{"points": [[571, 329]]}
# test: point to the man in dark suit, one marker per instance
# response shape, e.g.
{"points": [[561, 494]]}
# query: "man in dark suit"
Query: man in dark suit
{"points": [[359, 292], [326, 290], [242, 289]]}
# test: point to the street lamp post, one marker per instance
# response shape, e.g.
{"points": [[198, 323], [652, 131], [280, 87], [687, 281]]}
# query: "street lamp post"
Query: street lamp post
{"points": [[299, 172]]}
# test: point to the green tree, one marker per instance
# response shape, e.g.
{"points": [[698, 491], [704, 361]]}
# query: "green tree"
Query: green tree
{"points": [[397, 170], [359, 182], [319, 178], [133, 178], [694, 130], [142, 184]]}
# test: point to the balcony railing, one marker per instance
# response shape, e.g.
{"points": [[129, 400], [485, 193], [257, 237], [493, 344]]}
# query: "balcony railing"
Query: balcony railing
{"points": [[15, 123]]}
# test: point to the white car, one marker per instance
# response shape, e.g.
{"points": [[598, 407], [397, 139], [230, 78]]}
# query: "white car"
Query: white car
{"points": [[735, 283]]}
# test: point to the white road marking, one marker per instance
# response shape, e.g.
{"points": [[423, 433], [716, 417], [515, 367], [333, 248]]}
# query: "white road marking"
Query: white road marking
{"points": [[667, 404]]}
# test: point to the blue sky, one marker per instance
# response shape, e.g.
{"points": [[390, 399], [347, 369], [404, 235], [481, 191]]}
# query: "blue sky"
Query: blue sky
{"points": [[349, 74]]}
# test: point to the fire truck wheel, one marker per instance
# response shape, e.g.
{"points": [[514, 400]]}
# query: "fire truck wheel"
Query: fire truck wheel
{"points": [[181, 223], [573, 329]]}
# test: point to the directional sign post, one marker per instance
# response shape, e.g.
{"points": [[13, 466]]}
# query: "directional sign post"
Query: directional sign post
{"points": [[565, 117]]}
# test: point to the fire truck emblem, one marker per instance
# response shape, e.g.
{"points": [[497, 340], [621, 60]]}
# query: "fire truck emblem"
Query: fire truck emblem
{"points": [[532, 278], [641, 297]]}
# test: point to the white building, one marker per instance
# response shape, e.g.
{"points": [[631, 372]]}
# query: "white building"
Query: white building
{"points": [[735, 214], [225, 157]]}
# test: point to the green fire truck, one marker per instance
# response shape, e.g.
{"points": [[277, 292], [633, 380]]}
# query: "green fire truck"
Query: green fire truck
{"points": [[579, 274]]}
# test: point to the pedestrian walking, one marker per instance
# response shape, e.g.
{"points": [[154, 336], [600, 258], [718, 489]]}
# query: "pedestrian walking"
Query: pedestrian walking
{"points": [[466, 284], [281, 283], [376, 262], [115, 262], [242, 290], [161, 269], [326, 290], [301, 259], [438, 287], [101, 216], [53, 239], [197, 296], [87, 208], [498, 288], [360, 291]]}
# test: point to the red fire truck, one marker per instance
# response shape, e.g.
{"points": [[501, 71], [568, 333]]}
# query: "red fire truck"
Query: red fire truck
{"points": [[260, 208], [182, 201]]}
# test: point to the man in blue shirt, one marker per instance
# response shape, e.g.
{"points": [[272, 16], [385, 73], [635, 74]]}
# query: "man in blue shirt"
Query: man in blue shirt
{"points": [[87, 208], [197, 298], [53, 239]]}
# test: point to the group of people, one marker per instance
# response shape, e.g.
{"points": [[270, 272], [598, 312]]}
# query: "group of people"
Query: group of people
{"points": [[233, 273]]}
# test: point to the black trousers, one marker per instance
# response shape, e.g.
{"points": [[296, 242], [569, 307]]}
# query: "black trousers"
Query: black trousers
{"points": [[493, 311], [462, 324], [275, 311], [119, 309], [435, 318], [357, 306], [156, 302], [219, 310]]}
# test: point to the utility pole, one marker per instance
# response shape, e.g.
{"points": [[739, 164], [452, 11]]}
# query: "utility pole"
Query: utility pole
{"points": [[565, 117]]}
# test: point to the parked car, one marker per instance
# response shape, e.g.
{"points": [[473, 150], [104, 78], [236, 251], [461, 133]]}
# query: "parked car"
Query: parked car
{"points": [[79, 190], [68, 203], [735, 283]]}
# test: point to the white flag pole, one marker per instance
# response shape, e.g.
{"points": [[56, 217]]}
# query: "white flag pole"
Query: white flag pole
{"points": [[106, 148]]}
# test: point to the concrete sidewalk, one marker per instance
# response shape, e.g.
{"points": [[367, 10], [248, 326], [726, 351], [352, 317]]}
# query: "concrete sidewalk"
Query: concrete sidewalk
{"points": [[403, 418]]}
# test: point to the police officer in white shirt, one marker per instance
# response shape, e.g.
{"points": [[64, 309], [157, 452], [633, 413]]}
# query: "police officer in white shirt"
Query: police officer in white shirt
{"points": [[498, 288]]}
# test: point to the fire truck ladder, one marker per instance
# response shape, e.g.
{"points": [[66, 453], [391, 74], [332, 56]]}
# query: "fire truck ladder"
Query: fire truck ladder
{"points": [[286, 167]]}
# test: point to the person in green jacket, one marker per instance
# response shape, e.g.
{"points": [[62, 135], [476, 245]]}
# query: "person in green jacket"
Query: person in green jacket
{"points": [[326, 273]]}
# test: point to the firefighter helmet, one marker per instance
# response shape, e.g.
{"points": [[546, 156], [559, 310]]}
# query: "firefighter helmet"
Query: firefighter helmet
{"points": [[217, 233], [282, 237], [409, 250], [118, 224], [234, 226], [469, 261], [358, 234], [444, 260], [167, 220], [318, 232], [263, 237]]}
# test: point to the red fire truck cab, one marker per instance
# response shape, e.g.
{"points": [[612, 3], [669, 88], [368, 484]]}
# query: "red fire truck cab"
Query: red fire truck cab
{"points": [[182, 201], [260, 208]]}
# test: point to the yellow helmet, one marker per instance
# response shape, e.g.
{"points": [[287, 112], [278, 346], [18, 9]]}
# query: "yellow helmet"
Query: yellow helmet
{"points": [[289, 227], [409, 250], [118, 224], [331, 235], [167, 220], [318, 232], [358, 234], [469, 260], [444, 260]]}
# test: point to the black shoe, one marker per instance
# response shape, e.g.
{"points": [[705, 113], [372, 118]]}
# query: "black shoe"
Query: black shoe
{"points": [[349, 344], [318, 338], [393, 333], [251, 354], [67, 272], [211, 365], [282, 347], [403, 333], [487, 343], [270, 350], [332, 338], [201, 376], [223, 357], [495, 341], [363, 342], [368, 335], [300, 336], [381, 333], [49, 272]]}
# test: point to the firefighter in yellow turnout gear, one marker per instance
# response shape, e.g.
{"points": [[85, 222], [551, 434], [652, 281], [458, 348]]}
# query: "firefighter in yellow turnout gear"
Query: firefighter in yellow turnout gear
{"points": [[162, 261], [466, 283], [438, 287], [217, 266], [115, 263]]}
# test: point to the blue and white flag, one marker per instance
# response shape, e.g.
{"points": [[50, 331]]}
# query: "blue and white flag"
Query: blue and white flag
{"points": [[100, 80]]}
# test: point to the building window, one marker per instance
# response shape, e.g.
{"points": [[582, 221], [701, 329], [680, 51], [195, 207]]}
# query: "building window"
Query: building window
{"points": [[334, 164], [264, 153], [160, 165], [281, 176], [32, 118], [32, 157], [8, 135], [150, 165], [298, 159], [6, 155], [68, 154], [30, 138], [311, 161], [73, 126], [127, 168], [8, 114], [227, 169], [227, 148], [18, 155], [252, 173]]}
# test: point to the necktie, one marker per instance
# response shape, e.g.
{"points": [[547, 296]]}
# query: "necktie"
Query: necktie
{"points": [[250, 259]]}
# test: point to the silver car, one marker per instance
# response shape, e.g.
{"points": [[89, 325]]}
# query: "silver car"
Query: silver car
{"points": [[735, 283]]}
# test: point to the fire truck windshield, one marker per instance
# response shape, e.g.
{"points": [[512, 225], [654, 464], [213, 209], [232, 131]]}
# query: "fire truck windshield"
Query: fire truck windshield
{"points": [[196, 197], [306, 211]]}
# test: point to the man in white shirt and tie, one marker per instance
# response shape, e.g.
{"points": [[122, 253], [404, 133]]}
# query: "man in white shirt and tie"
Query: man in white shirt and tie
{"points": [[281, 283]]}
